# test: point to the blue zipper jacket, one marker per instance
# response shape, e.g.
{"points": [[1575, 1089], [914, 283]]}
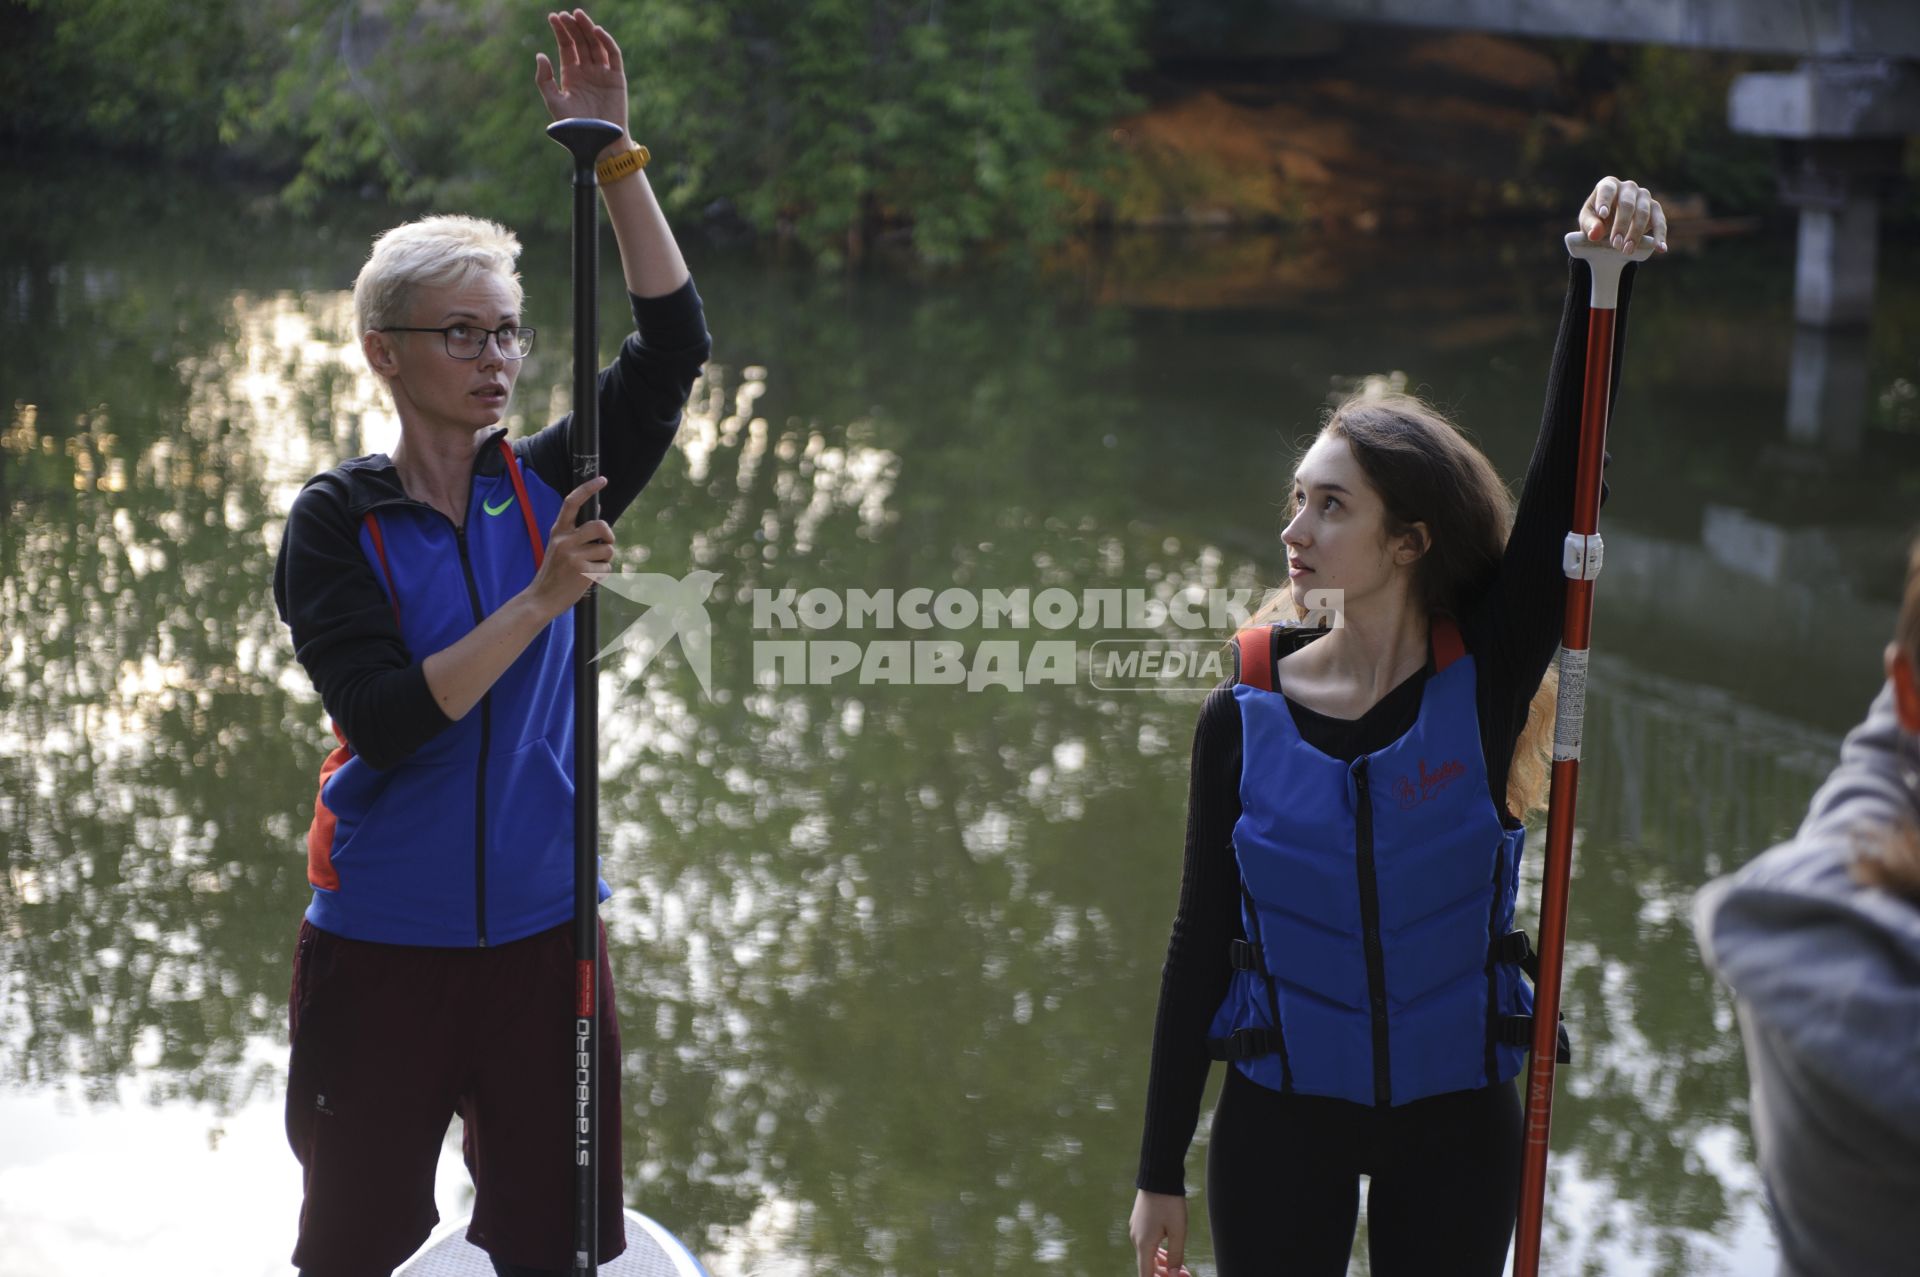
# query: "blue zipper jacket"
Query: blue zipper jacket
{"points": [[428, 831], [1380, 965]]}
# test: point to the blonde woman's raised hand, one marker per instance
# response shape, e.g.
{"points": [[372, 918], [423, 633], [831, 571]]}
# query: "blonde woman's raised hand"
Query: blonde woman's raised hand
{"points": [[592, 83]]}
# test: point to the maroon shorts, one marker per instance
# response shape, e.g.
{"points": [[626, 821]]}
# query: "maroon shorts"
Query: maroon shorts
{"points": [[389, 1042]]}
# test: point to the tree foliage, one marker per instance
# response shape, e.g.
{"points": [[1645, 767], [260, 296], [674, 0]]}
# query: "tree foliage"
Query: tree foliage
{"points": [[125, 72], [830, 122], [835, 123], [1664, 114]]}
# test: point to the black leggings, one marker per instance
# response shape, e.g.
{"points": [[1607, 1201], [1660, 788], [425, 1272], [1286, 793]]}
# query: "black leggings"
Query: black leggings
{"points": [[1283, 1182]]}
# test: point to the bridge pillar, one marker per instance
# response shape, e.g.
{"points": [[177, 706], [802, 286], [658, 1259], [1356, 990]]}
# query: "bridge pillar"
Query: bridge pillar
{"points": [[1827, 390], [1842, 125]]}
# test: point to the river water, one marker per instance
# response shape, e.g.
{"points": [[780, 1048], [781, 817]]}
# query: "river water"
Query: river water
{"points": [[888, 954]]}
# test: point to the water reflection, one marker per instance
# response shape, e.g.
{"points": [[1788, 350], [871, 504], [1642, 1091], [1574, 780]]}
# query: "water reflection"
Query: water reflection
{"points": [[1827, 390], [888, 954], [1682, 782], [883, 911]]}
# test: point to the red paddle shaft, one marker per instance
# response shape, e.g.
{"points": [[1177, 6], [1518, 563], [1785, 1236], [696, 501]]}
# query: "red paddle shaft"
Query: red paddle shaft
{"points": [[1582, 562]]}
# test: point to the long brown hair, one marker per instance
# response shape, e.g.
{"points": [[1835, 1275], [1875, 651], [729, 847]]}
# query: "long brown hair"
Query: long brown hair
{"points": [[1892, 860], [1427, 472]]}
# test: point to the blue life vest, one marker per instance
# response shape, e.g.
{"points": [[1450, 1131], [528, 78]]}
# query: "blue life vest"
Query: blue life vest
{"points": [[469, 841], [1380, 964]]}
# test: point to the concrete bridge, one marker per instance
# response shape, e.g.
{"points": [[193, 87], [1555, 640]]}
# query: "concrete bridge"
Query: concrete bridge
{"points": [[1842, 115], [1802, 28]]}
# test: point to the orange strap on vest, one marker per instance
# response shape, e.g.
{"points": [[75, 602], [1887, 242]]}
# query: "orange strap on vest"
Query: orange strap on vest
{"points": [[1255, 649], [1448, 646], [526, 506], [380, 548]]}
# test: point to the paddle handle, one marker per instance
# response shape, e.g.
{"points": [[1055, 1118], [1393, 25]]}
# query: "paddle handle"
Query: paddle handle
{"points": [[1607, 263]]}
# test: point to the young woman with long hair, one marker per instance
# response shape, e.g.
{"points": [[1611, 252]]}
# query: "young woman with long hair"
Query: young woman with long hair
{"points": [[1344, 936]]}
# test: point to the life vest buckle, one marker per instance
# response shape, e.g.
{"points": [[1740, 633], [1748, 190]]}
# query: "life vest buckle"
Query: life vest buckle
{"points": [[1517, 1030], [1244, 1044], [1516, 949], [1244, 955]]}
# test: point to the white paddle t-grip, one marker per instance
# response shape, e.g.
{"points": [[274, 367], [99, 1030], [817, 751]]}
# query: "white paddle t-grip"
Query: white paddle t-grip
{"points": [[1606, 262]]}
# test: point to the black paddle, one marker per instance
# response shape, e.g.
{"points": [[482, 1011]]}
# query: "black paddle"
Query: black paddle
{"points": [[585, 139]]}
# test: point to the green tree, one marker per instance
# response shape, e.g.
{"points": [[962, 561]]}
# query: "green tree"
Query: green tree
{"points": [[128, 72], [828, 123], [1662, 111]]}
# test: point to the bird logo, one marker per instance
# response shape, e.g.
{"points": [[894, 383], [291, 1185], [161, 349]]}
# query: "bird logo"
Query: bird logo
{"points": [[674, 607]]}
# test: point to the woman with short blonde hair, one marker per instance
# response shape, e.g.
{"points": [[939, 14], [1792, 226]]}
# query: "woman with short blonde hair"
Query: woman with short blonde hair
{"points": [[429, 595]]}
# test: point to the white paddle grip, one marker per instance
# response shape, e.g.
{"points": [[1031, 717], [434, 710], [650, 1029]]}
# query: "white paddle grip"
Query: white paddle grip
{"points": [[1606, 262]]}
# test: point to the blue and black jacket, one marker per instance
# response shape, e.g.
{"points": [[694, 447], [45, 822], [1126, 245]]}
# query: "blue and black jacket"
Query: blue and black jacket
{"points": [[427, 830]]}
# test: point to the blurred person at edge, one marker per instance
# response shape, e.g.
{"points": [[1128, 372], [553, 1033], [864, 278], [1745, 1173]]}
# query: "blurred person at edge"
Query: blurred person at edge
{"points": [[1344, 935], [429, 595], [1819, 940]]}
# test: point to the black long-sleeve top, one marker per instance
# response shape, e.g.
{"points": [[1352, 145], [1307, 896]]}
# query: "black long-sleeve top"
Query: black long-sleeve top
{"points": [[1512, 631]]}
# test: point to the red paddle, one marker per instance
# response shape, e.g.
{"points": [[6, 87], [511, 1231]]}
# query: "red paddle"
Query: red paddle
{"points": [[1583, 554]]}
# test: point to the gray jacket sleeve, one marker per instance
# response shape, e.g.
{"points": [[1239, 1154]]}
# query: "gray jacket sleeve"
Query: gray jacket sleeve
{"points": [[1825, 973]]}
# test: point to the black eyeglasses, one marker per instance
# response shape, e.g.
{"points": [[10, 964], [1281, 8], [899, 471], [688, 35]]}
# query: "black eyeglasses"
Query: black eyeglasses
{"points": [[466, 341]]}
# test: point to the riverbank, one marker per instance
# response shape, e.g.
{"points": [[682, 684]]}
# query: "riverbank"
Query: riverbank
{"points": [[1381, 130]]}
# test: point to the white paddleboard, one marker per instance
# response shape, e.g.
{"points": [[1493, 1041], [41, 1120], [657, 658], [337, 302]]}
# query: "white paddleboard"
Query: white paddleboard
{"points": [[651, 1251]]}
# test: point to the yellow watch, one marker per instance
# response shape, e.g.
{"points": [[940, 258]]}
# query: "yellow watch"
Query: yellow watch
{"points": [[626, 164]]}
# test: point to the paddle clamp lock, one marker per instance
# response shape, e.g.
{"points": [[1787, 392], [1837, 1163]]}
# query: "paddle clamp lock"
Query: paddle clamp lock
{"points": [[1581, 557]]}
